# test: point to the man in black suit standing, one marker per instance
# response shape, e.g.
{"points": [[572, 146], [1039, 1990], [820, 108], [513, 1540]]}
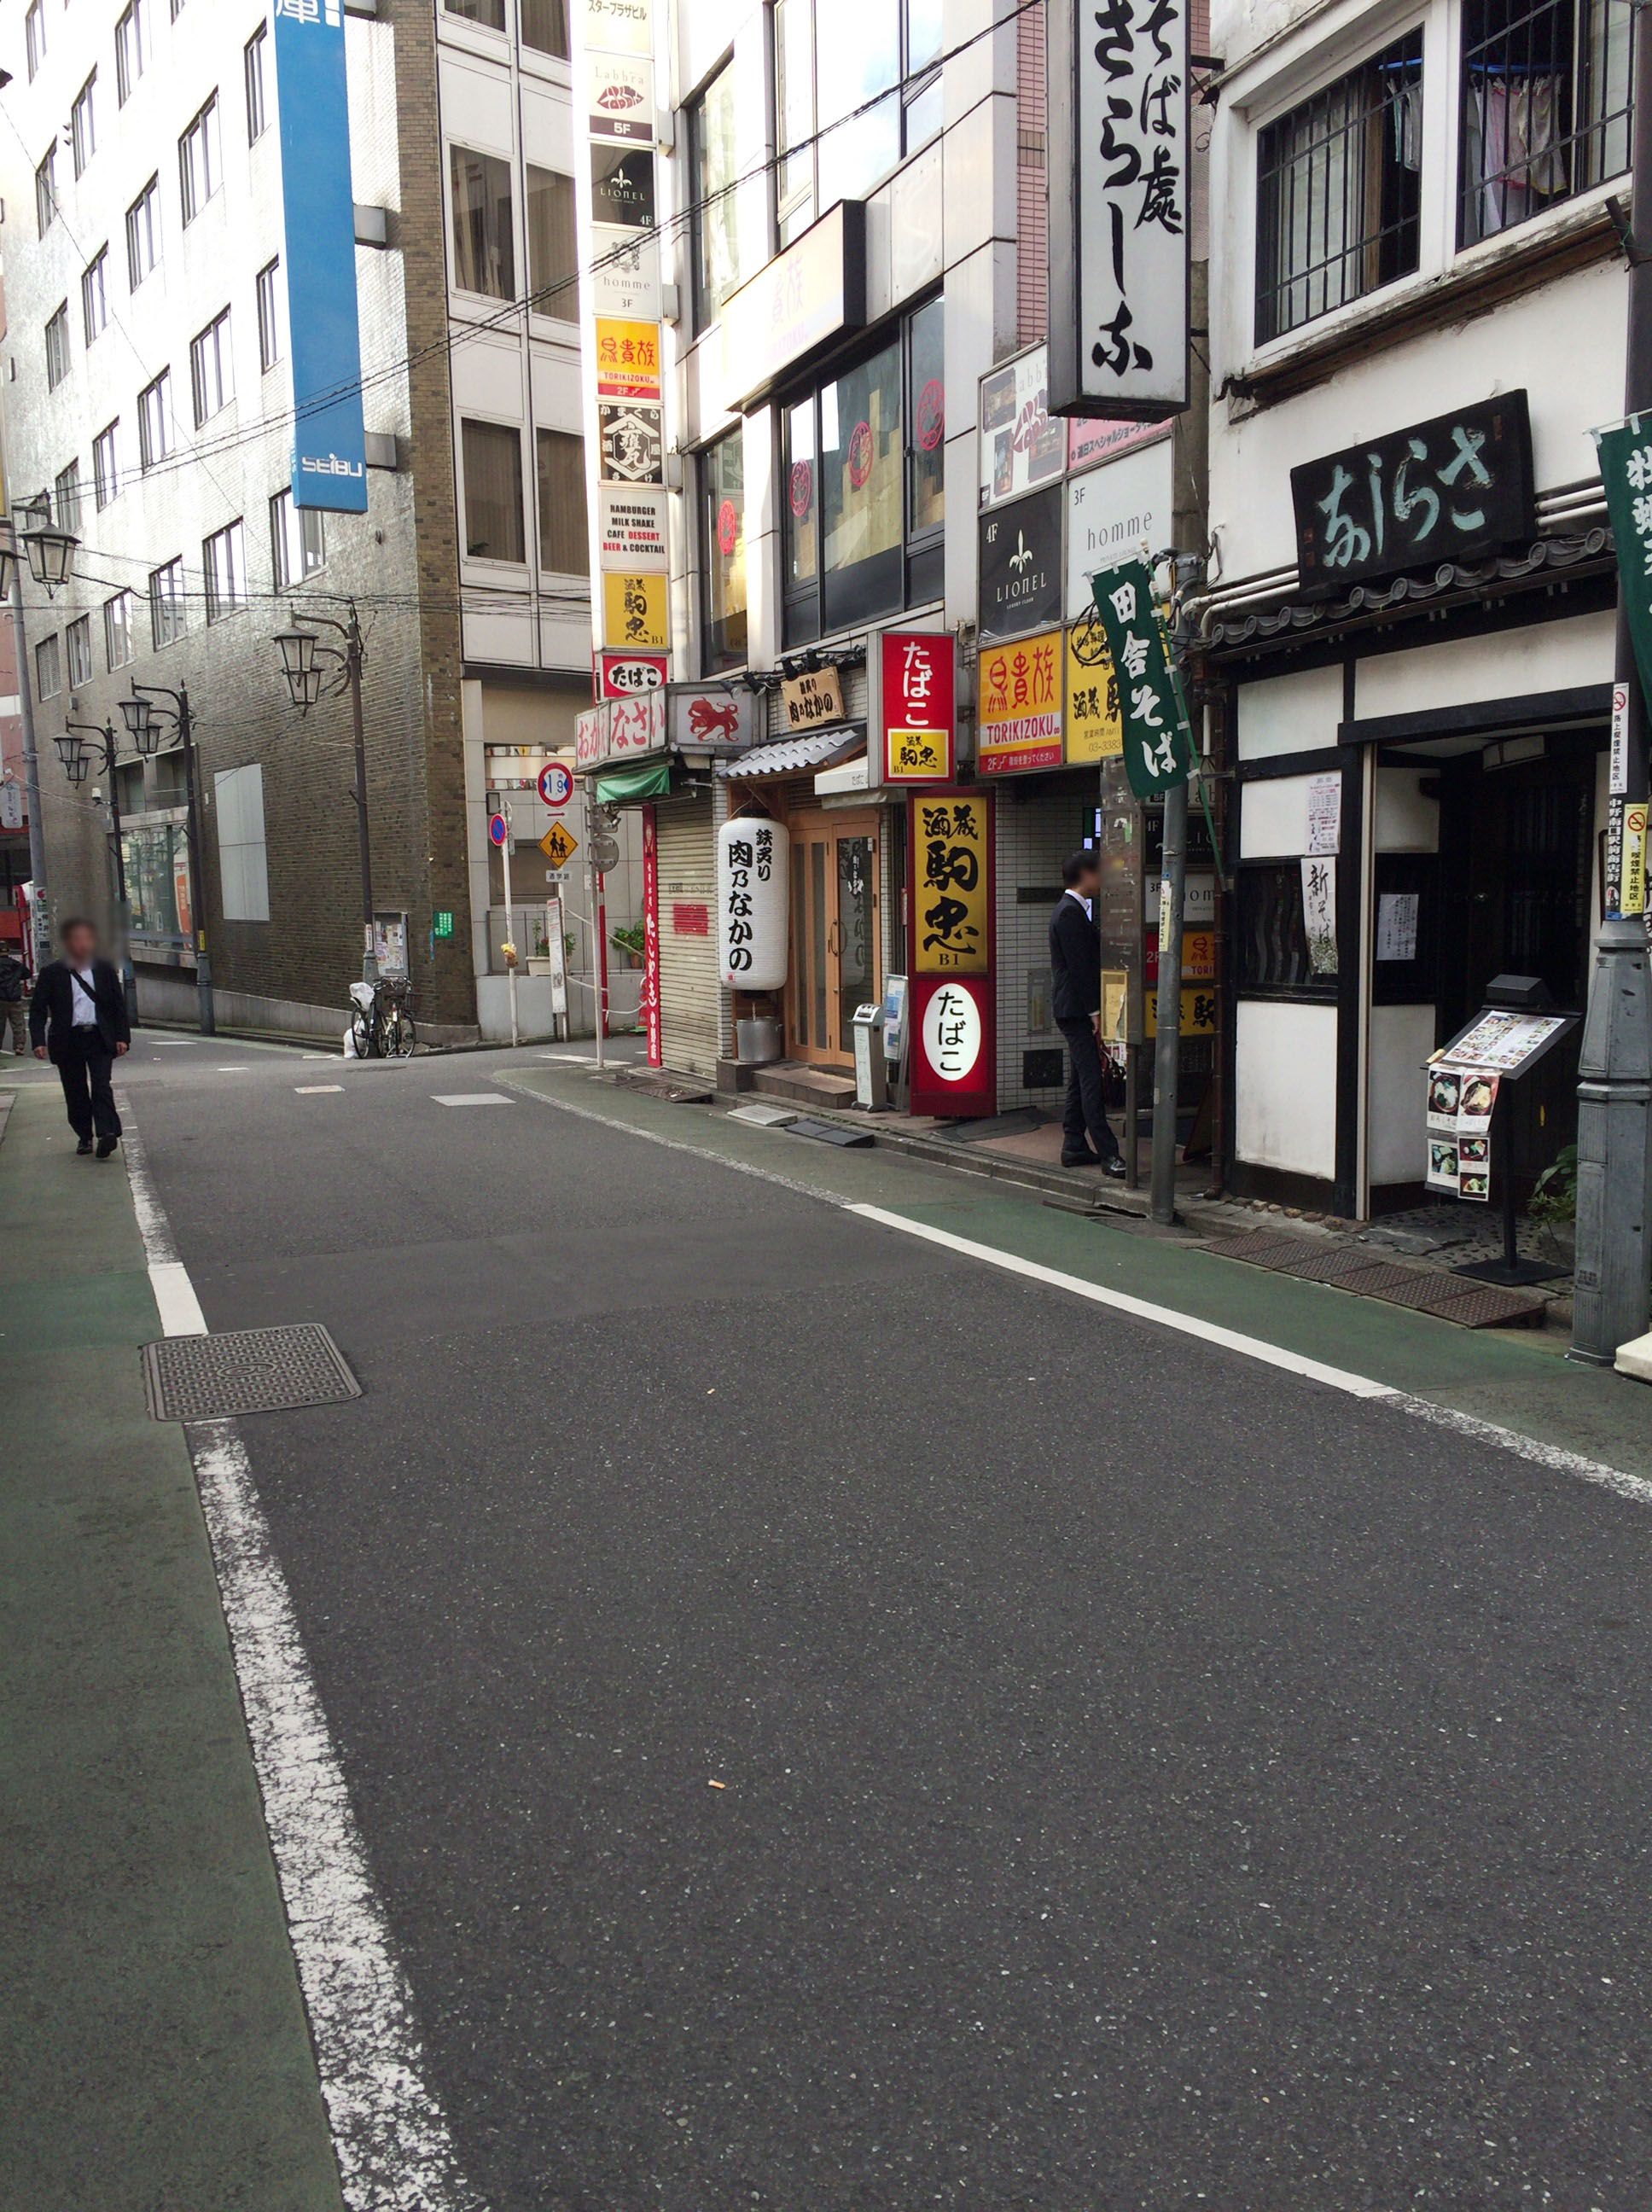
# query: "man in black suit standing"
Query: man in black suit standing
{"points": [[77, 1019], [1076, 995]]}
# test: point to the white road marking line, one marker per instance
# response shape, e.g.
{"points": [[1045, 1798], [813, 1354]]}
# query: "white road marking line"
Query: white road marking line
{"points": [[175, 1294], [468, 1098], [240, 1068], [570, 1059], [315, 1090], [318, 1055], [394, 2147]]}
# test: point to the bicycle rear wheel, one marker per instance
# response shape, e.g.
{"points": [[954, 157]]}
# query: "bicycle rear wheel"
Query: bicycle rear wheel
{"points": [[400, 1036]]}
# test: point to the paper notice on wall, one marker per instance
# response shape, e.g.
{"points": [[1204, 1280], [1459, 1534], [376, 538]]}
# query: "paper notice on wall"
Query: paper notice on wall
{"points": [[1396, 926], [1319, 912], [1324, 813]]}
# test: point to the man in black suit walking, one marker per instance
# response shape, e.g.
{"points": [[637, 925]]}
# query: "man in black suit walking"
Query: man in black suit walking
{"points": [[77, 1019], [1076, 995]]}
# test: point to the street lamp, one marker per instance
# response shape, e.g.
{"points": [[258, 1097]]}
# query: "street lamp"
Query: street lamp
{"points": [[51, 556], [307, 663], [146, 722], [78, 745]]}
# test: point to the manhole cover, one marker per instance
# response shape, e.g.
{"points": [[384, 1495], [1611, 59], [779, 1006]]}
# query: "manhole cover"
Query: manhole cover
{"points": [[247, 1371]]}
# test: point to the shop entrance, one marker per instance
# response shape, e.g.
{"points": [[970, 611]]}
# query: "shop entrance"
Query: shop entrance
{"points": [[835, 963]]}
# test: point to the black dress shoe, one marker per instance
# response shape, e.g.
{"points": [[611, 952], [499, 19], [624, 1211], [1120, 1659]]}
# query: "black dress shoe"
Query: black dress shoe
{"points": [[84, 1146], [105, 1145], [1114, 1169], [1084, 1159]]}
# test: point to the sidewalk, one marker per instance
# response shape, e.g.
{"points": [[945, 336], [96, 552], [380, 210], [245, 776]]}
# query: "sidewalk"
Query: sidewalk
{"points": [[156, 2053]]}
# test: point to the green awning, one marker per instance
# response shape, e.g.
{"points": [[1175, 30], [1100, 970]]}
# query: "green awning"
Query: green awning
{"points": [[649, 779]]}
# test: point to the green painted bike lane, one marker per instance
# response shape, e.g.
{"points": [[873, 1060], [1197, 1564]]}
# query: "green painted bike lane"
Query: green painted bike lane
{"points": [[156, 2051], [1515, 1378]]}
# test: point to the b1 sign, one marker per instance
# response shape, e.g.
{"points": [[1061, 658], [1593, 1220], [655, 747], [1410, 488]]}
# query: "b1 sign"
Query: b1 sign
{"points": [[1119, 146], [330, 463]]}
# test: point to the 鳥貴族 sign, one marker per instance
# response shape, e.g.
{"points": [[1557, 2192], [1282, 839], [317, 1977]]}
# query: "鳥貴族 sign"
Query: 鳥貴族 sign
{"points": [[1453, 489], [1019, 710], [1157, 740], [919, 670], [627, 359], [1117, 160], [953, 1054]]}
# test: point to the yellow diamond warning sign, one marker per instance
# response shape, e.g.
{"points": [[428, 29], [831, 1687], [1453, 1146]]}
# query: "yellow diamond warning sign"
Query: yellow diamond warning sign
{"points": [[558, 846]]}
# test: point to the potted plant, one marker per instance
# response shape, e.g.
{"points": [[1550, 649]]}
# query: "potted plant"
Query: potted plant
{"points": [[630, 941]]}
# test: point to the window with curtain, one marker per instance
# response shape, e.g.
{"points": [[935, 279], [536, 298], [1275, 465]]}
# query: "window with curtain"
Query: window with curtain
{"points": [[492, 454], [544, 26], [722, 478], [1338, 191], [564, 524], [1548, 105], [484, 241], [715, 138], [553, 254]]}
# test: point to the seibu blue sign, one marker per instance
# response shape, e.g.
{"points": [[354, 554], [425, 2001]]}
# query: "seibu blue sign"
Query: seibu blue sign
{"points": [[318, 208]]}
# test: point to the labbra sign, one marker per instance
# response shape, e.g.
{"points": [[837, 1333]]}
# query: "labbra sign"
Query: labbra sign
{"points": [[1118, 153]]}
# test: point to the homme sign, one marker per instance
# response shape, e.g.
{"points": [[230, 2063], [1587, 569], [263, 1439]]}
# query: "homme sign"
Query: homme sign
{"points": [[1118, 153]]}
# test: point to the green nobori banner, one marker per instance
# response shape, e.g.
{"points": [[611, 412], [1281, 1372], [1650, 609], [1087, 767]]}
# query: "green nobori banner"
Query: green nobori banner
{"points": [[1159, 740], [1625, 456]]}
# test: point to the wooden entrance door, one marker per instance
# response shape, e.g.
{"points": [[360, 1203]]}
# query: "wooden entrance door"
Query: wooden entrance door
{"points": [[835, 964]]}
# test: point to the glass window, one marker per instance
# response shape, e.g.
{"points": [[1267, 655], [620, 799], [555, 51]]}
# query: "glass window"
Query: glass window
{"points": [[544, 26], [257, 113], [45, 191], [83, 126], [224, 557], [794, 115], [200, 164], [56, 348], [851, 100], [243, 867], [167, 602], [156, 855], [211, 370], [79, 639], [1338, 192], [553, 253], [268, 315], [493, 492], [48, 668], [484, 253], [143, 233], [131, 48], [120, 630], [564, 525], [714, 131], [66, 497], [864, 483], [298, 540], [488, 12], [155, 421], [722, 476], [106, 475], [1547, 101], [34, 35], [94, 296]]}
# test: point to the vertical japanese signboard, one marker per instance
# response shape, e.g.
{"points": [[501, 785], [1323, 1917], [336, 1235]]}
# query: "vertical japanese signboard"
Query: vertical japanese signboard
{"points": [[330, 465], [953, 1054], [1158, 747], [620, 302], [919, 710], [1117, 160]]}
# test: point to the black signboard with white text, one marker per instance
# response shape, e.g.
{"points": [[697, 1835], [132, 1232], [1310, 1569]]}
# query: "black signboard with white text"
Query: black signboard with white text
{"points": [[1020, 566], [1454, 488]]}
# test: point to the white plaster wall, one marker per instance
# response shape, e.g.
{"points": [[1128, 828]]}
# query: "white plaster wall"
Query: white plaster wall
{"points": [[1554, 656], [1286, 1105], [1405, 821], [1290, 713], [1273, 818], [1402, 1039]]}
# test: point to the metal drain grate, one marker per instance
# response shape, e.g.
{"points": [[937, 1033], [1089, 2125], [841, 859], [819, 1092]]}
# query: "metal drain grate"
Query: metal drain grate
{"points": [[248, 1371], [1321, 1264], [1489, 1306], [1255, 1249]]}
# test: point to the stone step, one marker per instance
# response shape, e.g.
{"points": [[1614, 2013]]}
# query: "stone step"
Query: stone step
{"points": [[805, 1086]]}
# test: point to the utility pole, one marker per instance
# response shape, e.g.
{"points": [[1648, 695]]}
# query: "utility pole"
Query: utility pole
{"points": [[1614, 1087], [510, 923]]}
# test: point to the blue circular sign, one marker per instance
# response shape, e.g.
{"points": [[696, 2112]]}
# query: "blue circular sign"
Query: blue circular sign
{"points": [[498, 828]]}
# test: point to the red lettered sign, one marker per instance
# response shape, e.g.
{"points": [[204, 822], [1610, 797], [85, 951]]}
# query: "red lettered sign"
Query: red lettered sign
{"points": [[648, 996], [920, 669]]}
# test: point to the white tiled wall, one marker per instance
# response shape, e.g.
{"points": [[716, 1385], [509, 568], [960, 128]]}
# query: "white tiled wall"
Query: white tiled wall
{"points": [[1037, 825]]}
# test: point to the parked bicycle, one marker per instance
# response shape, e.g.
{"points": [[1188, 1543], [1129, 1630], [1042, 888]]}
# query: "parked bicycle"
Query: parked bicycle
{"points": [[381, 1018]]}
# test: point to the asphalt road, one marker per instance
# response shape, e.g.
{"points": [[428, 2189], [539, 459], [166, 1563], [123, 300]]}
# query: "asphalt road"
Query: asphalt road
{"points": [[1149, 1780]]}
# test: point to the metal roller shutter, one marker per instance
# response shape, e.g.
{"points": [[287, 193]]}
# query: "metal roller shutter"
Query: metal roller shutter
{"points": [[689, 996]]}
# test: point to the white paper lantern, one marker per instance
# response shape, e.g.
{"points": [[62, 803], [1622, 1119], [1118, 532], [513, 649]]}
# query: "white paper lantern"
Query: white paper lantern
{"points": [[753, 878]]}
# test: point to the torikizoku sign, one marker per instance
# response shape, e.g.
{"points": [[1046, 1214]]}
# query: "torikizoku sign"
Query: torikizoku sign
{"points": [[319, 207]]}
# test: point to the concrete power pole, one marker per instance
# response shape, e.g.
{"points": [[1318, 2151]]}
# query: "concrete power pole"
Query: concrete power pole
{"points": [[1614, 1088]]}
